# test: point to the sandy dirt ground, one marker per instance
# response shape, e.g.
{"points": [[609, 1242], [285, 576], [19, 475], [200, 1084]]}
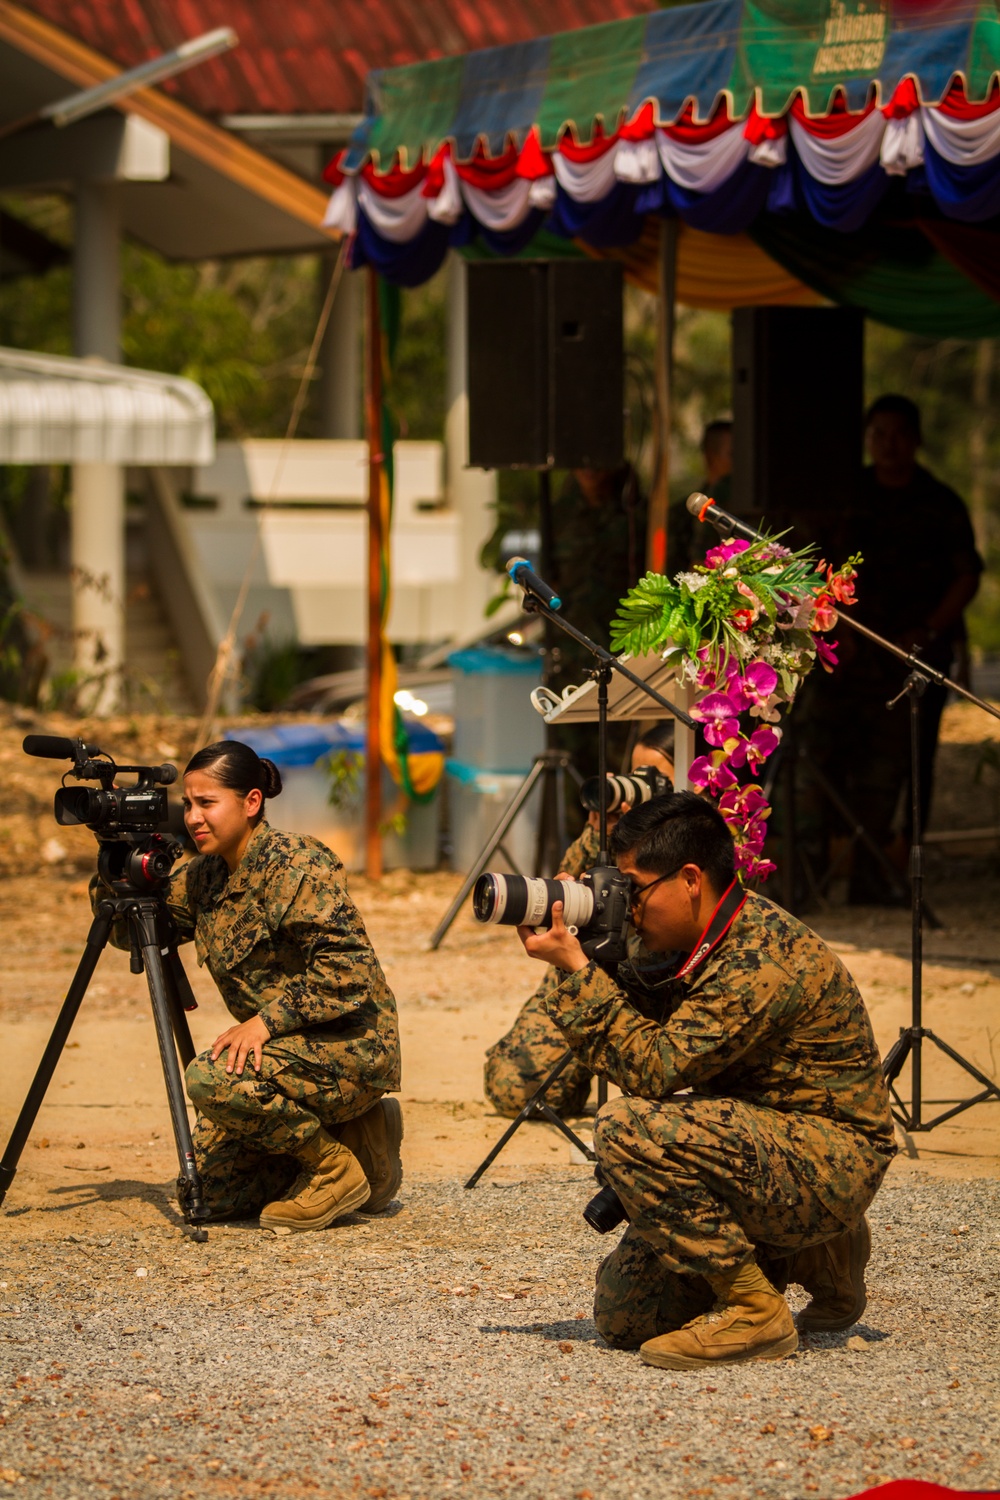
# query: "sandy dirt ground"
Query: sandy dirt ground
{"points": [[135, 1364]]}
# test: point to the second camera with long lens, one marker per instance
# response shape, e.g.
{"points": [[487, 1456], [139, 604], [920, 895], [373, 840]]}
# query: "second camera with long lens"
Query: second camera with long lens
{"points": [[630, 790], [595, 907]]}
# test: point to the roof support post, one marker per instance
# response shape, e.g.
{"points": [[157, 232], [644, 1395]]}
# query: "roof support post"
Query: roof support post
{"points": [[666, 320], [339, 396], [471, 493], [376, 542], [97, 579], [97, 532]]}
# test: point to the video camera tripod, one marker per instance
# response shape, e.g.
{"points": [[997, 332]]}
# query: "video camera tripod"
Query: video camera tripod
{"points": [[170, 995], [133, 867]]}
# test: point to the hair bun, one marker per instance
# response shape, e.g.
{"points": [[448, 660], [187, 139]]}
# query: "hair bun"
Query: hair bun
{"points": [[271, 778]]}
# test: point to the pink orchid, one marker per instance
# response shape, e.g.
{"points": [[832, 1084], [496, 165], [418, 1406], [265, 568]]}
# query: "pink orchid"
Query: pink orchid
{"points": [[762, 743], [826, 651], [754, 833], [742, 801], [758, 682], [754, 868], [714, 708], [735, 750], [712, 772], [725, 733]]}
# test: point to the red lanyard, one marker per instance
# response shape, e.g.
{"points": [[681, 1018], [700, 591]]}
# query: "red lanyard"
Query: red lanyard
{"points": [[719, 923]]}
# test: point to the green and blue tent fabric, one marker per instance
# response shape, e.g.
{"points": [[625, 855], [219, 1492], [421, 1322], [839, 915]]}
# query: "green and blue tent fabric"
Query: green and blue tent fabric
{"points": [[806, 125]]}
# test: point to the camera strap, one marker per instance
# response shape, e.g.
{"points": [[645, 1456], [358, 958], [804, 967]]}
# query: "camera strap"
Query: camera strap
{"points": [[719, 923]]}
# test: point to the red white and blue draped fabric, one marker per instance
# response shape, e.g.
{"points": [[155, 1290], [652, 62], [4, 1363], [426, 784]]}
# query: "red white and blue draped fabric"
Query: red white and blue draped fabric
{"points": [[717, 177], [702, 129]]}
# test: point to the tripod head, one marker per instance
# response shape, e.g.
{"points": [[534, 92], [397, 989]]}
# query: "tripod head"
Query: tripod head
{"points": [[137, 864]]}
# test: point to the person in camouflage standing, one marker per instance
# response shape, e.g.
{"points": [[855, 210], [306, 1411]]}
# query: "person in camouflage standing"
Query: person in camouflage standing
{"points": [[755, 1126], [519, 1061], [292, 1123]]}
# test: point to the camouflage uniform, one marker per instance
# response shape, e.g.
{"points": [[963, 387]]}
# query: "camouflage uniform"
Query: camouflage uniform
{"points": [[783, 1140], [283, 940], [517, 1063]]}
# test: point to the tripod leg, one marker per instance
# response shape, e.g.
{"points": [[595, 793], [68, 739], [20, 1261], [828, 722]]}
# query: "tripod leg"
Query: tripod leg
{"points": [[502, 848], [495, 840], [896, 1056], [189, 1184], [96, 942], [182, 1000], [532, 1107], [858, 830], [560, 1124]]}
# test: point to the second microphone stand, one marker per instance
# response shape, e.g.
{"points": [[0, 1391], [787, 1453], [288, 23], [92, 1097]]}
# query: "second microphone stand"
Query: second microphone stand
{"points": [[911, 1038]]}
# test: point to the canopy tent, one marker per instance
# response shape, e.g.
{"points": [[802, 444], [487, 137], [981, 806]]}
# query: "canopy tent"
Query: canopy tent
{"points": [[59, 410], [878, 121]]}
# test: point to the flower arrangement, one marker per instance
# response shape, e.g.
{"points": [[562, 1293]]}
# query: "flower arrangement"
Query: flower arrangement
{"points": [[749, 623]]}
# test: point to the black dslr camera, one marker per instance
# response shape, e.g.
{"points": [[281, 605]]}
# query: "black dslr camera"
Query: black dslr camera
{"points": [[128, 822], [631, 789], [595, 907]]}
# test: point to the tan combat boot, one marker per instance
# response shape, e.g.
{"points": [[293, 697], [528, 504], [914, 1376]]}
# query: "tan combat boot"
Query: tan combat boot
{"points": [[375, 1138], [833, 1273], [750, 1320], [330, 1185]]}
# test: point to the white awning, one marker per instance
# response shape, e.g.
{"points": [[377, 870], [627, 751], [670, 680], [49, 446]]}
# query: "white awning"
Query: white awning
{"points": [[56, 410]]}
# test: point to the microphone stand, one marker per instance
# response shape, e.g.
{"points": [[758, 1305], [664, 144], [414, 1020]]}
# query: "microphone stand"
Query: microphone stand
{"points": [[537, 1106], [911, 1038]]}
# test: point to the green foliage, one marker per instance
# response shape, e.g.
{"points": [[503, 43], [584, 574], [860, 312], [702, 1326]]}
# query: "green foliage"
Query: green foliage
{"points": [[272, 669], [723, 608], [345, 768], [240, 328], [419, 375]]}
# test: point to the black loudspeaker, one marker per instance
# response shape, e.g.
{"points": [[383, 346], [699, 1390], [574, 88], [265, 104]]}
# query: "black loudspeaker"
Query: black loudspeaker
{"points": [[546, 365], [798, 401]]}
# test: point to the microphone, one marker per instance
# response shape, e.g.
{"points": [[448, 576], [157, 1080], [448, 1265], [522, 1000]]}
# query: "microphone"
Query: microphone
{"points": [[704, 509], [519, 570], [54, 747]]}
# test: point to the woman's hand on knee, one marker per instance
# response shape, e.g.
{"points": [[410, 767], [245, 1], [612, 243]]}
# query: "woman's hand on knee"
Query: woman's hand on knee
{"points": [[241, 1042]]}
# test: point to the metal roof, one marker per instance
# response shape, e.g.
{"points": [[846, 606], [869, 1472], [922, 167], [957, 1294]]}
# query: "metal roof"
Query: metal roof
{"points": [[58, 410], [311, 55]]}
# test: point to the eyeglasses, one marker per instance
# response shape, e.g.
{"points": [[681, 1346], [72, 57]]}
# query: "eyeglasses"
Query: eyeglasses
{"points": [[639, 891]]}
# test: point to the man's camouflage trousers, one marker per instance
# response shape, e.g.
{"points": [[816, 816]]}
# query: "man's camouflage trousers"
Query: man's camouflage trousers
{"points": [[249, 1128], [519, 1061], [705, 1181]]}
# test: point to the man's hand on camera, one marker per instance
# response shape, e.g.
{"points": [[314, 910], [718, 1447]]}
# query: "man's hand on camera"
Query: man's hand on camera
{"points": [[556, 945], [243, 1041]]}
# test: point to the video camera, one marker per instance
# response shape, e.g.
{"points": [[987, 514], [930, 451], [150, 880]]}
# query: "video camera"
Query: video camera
{"points": [[128, 822]]}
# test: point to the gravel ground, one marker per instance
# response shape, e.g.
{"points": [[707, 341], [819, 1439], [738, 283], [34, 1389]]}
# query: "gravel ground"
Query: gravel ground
{"points": [[449, 1348]]}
